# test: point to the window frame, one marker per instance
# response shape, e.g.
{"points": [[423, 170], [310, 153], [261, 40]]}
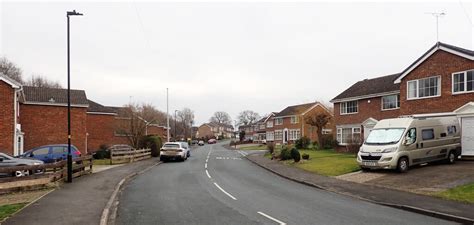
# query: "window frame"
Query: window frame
{"points": [[294, 120], [278, 119], [339, 134], [464, 73], [428, 129], [397, 103], [269, 124], [417, 88], [345, 106]]}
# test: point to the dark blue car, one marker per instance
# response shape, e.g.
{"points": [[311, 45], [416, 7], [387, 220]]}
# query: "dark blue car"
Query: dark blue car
{"points": [[51, 153]]}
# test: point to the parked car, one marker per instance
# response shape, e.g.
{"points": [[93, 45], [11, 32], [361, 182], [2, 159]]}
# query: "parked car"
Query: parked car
{"points": [[186, 145], [9, 161], [403, 142], [51, 153], [194, 142], [201, 143], [173, 150], [212, 141]]}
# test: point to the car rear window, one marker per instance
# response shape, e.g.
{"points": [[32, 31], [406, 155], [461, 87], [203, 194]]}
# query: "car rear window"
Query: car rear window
{"points": [[59, 150], [171, 146]]}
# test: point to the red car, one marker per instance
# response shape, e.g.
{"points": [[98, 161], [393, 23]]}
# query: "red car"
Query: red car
{"points": [[212, 141]]}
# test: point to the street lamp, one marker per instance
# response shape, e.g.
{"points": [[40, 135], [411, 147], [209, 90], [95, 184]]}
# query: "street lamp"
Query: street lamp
{"points": [[69, 156]]}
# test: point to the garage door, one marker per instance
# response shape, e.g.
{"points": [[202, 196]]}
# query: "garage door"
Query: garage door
{"points": [[468, 136]]}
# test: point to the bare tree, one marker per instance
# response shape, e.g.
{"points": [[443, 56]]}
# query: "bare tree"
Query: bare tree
{"points": [[318, 120], [247, 117], [42, 81], [220, 117], [186, 117], [10, 70]]}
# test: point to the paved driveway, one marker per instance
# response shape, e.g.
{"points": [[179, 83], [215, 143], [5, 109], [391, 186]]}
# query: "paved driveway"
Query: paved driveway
{"points": [[421, 179]]}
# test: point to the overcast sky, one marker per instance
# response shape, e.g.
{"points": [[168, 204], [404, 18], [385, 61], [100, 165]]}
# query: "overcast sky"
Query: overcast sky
{"points": [[224, 56]]}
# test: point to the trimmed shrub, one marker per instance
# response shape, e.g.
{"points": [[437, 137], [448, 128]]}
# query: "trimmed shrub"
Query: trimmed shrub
{"points": [[328, 142], [305, 156], [102, 153], [271, 147], [295, 154], [152, 142], [315, 145], [302, 143], [285, 153]]}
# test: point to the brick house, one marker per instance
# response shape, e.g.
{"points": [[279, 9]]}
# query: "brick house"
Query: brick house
{"points": [[157, 130], [289, 124], [43, 117], [440, 82], [214, 130], [101, 126], [361, 106], [11, 137]]}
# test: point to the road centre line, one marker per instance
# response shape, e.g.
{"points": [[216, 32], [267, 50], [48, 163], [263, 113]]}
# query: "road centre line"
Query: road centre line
{"points": [[271, 218], [205, 166], [225, 192], [207, 172]]}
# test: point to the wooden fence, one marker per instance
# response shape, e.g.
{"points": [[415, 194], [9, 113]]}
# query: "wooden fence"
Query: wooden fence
{"points": [[50, 173], [127, 154]]}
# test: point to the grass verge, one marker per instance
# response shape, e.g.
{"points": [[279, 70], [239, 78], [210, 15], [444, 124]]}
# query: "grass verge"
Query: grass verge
{"points": [[259, 147], [464, 193], [101, 162], [326, 162], [8, 210]]}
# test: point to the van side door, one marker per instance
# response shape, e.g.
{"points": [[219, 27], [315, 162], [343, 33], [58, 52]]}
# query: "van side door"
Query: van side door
{"points": [[410, 143], [430, 144]]}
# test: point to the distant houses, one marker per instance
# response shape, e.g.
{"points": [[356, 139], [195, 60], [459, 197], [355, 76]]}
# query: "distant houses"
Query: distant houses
{"points": [[35, 116], [288, 125], [214, 130]]}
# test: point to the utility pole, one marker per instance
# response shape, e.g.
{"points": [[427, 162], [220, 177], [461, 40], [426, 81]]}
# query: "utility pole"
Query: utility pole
{"points": [[437, 15], [167, 117]]}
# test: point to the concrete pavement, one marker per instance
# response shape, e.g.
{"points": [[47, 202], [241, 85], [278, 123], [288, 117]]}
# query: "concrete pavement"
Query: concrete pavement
{"points": [[218, 186]]}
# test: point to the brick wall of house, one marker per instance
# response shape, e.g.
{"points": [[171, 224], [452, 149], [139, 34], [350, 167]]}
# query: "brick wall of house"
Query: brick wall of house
{"points": [[205, 131], [158, 131], [100, 130], [311, 132], [443, 64], [366, 110], [7, 121], [45, 125]]}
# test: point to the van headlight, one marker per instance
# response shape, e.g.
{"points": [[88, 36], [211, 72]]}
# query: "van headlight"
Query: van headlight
{"points": [[388, 150]]}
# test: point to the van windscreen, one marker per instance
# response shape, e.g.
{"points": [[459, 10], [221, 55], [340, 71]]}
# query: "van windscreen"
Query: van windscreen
{"points": [[384, 136]]}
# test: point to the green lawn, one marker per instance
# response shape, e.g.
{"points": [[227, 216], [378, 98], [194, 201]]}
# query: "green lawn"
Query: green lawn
{"points": [[101, 162], [326, 162], [7, 210], [259, 147], [464, 193]]}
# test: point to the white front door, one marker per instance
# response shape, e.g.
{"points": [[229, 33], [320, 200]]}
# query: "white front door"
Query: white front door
{"points": [[467, 140]]}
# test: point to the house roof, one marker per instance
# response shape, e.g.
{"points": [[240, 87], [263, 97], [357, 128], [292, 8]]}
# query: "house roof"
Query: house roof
{"points": [[369, 88], [212, 124], [296, 109], [9, 81], [466, 53], [53, 96], [95, 107]]}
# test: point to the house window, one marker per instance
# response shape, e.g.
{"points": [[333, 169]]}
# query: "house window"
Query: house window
{"points": [[390, 102], [278, 121], [424, 88], [270, 136], [463, 82], [326, 131], [262, 126], [294, 119], [294, 134], [278, 135], [270, 124], [348, 135], [349, 107]]}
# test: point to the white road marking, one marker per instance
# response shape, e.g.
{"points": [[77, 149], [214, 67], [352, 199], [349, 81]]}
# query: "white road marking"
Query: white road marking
{"points": [[269, 217], [205, 166], [225, 192], [207, 172], [243, 153]]}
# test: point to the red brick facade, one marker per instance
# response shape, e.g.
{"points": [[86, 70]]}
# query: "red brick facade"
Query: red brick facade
{"points": [[442, 64], [159, 131], [371, 107], [44, 125], [7, 118], [100, 130]]}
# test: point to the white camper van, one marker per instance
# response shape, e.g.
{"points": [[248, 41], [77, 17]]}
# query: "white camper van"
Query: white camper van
{"points": [[403, 142]]}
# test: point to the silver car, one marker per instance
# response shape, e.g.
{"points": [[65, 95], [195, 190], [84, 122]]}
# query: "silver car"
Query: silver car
{"points": [[9, 161]]}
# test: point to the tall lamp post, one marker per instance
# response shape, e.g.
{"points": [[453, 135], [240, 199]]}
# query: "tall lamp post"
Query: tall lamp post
{"points": [[69, 156]]}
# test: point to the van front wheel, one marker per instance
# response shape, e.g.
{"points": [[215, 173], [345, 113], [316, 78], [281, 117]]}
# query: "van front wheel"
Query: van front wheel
{"points": [[451, 158], [402, 166]]}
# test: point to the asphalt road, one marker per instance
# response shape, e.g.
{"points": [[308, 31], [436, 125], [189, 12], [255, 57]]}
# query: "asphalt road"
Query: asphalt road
{"points": [[226, 189]]}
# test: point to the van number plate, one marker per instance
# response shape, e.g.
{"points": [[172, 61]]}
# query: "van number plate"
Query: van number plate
{"points": [[369, 163]]}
